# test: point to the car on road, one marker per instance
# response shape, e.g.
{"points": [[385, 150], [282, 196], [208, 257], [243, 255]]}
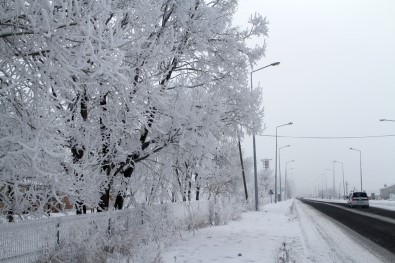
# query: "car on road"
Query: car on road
{"points": [[358, 199]]}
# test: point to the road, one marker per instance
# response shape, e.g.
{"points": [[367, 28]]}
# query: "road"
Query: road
{"points": [[375, 224]]}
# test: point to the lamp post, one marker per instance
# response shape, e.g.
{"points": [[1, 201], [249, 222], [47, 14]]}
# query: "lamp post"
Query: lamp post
{"points": [[327, 181], [322, 186], [286, 181], [288, 174], [386, 120], [286, 184], [333, 176], [344, 187], [275, 169], [326, 185], [360, 163], [253, 142], [279, 167]]}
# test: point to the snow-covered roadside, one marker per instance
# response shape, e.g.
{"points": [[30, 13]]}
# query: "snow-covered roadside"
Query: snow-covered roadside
{"points": [[284, 232], [389, 205], [257, 237]]}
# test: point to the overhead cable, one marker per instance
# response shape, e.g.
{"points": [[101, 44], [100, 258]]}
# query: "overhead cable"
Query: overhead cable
{"points": [[329, 137]]}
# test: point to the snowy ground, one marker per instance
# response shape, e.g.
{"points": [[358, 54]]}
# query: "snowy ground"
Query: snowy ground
{"points": [[284, 232], [389, 205]]}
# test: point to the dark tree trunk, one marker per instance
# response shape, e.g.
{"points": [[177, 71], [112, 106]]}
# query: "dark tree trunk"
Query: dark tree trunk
{"points": [[10, 212], [189, 189], [188, 181], [179, 184], [78, 150], [242, 171], [184, 198], [197, 187], [119, 200], [104, 201], [105, 197], [106, 163], [80, 208]]}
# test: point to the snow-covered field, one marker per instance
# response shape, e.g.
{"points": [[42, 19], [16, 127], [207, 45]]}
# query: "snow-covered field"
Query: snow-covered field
{"points": [[284, 232], [389, 205]]}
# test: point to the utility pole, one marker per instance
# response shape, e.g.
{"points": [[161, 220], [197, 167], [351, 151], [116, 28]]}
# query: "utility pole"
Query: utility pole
{"points": [[279, 168], [340, 187], [242, 171], [360, 163], [276, 165], [347, 187], [333, 173]]}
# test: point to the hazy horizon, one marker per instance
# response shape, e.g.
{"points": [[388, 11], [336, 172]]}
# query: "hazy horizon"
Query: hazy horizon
{"points": [[336, 79]]}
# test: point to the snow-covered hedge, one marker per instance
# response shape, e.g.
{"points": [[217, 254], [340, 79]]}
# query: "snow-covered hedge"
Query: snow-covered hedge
{"points": [[138, 234]]}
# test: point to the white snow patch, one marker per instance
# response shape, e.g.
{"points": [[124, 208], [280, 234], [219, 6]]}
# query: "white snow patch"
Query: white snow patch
{"points": [[288, 231]]}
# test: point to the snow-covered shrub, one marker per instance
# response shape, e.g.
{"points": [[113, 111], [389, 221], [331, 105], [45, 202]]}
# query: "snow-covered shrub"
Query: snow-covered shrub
{"points": [[139, 236], [224, 208], [189, 215]]}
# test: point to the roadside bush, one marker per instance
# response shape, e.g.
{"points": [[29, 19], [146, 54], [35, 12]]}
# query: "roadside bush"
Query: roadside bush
{"points": [[224, 208], [139, 239]]}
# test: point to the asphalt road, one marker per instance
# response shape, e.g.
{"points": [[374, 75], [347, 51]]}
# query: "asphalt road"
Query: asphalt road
{"points": [[377, 225]]}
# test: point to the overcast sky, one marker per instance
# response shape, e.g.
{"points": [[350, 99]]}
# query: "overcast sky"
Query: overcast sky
{"points": [[336, 78]]}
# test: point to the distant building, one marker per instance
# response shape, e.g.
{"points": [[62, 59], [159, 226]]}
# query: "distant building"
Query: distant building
{"points": [[387, 191]]}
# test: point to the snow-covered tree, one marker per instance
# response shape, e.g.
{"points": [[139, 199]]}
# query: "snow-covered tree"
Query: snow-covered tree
{"points": [[266, 183], [91, 91]]}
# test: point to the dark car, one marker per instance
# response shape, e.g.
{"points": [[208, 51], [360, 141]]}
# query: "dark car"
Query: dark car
{"points": [[358, 199]]}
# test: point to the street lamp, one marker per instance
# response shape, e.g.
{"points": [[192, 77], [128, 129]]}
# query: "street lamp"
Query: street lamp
{"points": [[275, 170], [286, 181], [253, 142], [279, 166], [386, 120], [333, 174], [327, 181], [326, 186], [317, 187], [360, 163], [344, 187]]}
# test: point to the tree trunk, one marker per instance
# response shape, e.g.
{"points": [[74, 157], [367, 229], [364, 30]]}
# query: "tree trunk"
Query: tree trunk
{"points": [[242, 171], [197, 187], [189, 190], [106, 163], [105, 197], [78, 150], [10, 212]]}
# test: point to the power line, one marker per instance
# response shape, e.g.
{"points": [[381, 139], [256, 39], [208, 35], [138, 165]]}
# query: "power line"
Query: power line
{"points": [[329, 137]]}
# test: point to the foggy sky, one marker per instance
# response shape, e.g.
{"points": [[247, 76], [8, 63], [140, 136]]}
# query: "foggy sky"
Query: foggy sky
{"points": [[336, 78]]}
